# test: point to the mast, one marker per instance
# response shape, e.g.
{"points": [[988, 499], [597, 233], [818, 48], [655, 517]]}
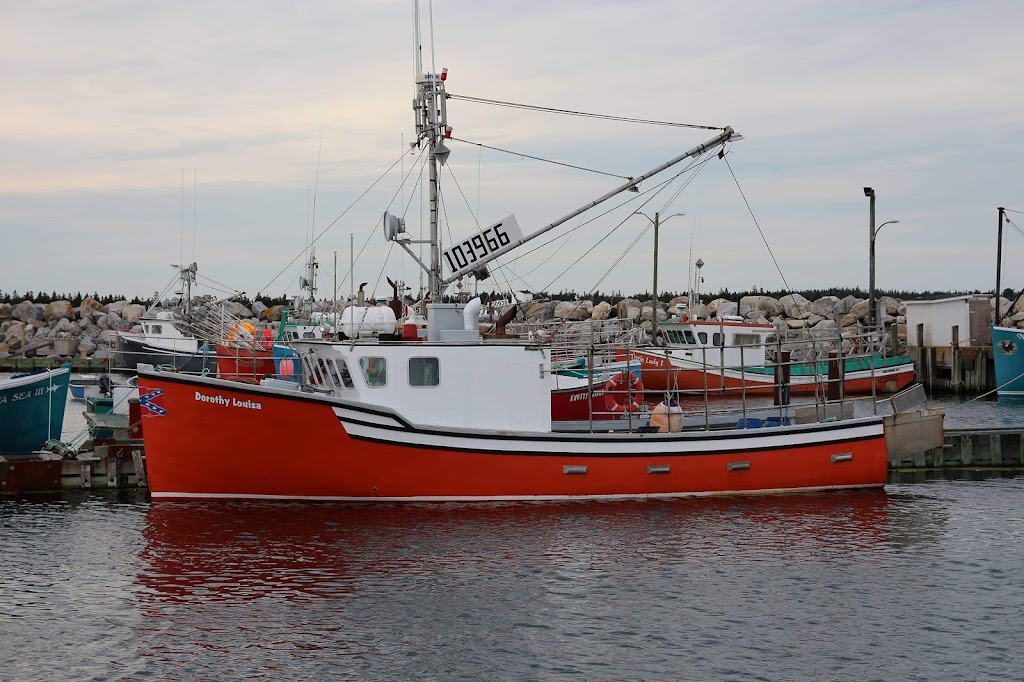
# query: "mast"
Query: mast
{"points": [[430, 109]]}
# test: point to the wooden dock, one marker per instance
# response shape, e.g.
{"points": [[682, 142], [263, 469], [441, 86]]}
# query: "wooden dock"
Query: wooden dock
{"points": [[954, 369], [997, 448]]}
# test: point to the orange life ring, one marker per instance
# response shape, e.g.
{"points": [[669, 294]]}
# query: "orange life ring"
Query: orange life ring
{"points": [[621, 391]]}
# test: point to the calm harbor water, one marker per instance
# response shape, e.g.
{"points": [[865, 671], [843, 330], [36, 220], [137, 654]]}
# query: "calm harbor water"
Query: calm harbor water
{"points": [[916, 582], [919, 581]]}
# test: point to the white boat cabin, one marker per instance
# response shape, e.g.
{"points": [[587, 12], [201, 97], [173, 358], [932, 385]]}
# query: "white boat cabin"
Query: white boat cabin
{"points": [[730, 342], [160, 331], [456, 380]]}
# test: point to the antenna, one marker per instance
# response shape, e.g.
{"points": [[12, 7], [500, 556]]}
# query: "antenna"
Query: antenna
{"points": [[195, 184]]}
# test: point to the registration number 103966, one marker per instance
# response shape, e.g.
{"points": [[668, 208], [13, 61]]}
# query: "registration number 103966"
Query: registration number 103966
{"points": [[483, 244]]}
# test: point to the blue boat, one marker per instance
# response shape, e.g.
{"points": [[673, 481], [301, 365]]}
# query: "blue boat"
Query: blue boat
{"points": [[32, 409], [1008, 356]]}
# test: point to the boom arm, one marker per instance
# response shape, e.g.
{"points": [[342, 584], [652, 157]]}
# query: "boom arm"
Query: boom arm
{"points": [[727, 134]]}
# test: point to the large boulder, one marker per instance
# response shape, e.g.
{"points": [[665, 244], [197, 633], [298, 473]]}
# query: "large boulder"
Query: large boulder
{"points": [[115, 306], [752, 307], [58, 310], [602, 311], [847, 320], [796, 323], [647, 311], [6, 312], [826, 306], [108, 337], [87, 346], [795, 306], [892, 306], [725, 309], [845, 305], [574, 310], [258, 308], [860, 310], [131, 313], [27, 311], [90, 303], [713, 306], [274, 313], [541, 312], [236, 309], [628, 309]]}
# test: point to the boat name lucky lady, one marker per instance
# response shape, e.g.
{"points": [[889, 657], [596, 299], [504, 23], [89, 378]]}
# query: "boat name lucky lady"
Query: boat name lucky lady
{"points": [[228, 402]]}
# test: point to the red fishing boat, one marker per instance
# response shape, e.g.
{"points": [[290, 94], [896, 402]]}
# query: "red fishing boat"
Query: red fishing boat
{"points": [[458, 417], [729, 357]]}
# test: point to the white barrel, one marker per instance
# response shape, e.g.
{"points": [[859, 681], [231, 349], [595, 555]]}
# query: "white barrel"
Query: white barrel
{"points": [[363, 321]]}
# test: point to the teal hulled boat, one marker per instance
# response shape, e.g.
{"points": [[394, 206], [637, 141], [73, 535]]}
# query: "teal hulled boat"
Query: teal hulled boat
{"points": [[32, 409], [1008, 357]]}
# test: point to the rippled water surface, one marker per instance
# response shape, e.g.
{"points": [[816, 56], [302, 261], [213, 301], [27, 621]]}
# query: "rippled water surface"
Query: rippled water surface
{"points": [[918, 582]]}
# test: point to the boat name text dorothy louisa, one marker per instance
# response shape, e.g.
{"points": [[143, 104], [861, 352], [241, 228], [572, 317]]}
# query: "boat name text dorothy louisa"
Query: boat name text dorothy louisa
{"points": [[228, 402]]}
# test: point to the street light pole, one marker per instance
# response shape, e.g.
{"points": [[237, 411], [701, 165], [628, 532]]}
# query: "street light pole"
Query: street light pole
{"points": [[870, 193], [654, 299]]}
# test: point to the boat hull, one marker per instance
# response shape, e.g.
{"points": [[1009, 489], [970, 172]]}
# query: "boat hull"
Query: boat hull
{"points": [[661, 373], [200, 437], [132, 353], [244, 365], [32, 410], [1008, 358]]}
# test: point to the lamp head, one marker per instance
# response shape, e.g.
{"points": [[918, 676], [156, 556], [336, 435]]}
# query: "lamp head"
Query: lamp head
{"points": [[868, 192]]}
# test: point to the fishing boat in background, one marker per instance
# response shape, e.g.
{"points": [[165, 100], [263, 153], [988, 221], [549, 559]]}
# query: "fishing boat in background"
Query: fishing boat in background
{"points": [[727, 357], [32, 409], [455, 416], [1008, 358], [1007, 355], [166, 338]]}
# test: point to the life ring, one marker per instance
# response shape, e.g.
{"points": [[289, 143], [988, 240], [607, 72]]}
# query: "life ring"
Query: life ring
{"points": [[620, 393]]}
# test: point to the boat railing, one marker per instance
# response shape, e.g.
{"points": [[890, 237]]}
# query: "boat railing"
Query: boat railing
{"points": [[824, 395]]}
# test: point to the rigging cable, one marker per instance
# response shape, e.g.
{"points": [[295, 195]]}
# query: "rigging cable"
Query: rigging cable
{"points": [[538, 158], [340, 216], [760, 231], [370, 235], [570, 112], [698, 165]]}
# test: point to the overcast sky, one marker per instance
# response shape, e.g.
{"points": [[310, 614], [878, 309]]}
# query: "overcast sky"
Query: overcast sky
{"points": [[106, 105]]}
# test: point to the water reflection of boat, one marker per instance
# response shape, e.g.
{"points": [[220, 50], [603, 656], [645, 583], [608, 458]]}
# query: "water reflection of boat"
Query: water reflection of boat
{"points": [[209, 552]]}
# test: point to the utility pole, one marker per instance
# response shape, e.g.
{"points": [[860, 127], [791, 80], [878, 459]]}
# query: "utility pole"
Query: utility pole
{"points": [[870, 193], [999, 266]]}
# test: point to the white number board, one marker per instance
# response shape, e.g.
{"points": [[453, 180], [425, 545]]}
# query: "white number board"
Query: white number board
{"points": [[482, 245]]}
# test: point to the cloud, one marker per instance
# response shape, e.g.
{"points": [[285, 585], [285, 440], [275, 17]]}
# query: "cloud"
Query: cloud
{"points": [[107, 102]]}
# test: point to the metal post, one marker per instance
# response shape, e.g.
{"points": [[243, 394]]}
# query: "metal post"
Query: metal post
{"points": [[999, 264], [870, 193], [654, 302]]}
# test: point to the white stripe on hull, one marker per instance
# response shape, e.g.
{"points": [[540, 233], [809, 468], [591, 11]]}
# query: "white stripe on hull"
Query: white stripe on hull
{"points": [[508, 498], [583, 445]]}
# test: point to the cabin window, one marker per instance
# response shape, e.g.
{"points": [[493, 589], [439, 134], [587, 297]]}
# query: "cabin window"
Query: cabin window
{"points": [[313, 371], [424, 372], [689, 337], [718, 339], [375, 371], [747, 340], [326, 369], [703, 336], [308, 335], [157, 329], [341, 370]]}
